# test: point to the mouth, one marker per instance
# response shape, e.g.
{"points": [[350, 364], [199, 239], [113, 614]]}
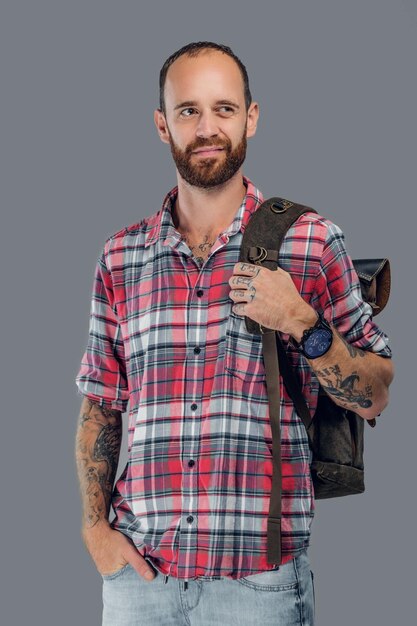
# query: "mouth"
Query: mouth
{"points": [[208, 151]]}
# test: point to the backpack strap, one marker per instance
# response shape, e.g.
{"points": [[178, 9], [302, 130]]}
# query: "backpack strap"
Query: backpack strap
{"points": [[293, 387], [260, 245], [269, 348]]}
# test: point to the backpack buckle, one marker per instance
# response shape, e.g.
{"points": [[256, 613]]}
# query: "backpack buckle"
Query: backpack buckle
{"points": [[280, 206], [261, 256]]}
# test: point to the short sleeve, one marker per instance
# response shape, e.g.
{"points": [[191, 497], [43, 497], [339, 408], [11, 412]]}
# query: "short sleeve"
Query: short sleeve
{"points": [[102, 374], [338, 295]]}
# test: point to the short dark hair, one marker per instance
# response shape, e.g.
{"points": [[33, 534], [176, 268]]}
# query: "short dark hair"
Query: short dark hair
{"points": [[192, 50]]}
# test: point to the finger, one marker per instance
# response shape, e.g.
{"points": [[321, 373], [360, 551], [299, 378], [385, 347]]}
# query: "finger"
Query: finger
{"points": [[237, 295], [239, 308], [138, 563], [246, 269], [240, 281]]}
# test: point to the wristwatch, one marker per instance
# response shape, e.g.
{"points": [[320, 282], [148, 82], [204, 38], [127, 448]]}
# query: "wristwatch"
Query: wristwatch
{"points": [[316, 340]]}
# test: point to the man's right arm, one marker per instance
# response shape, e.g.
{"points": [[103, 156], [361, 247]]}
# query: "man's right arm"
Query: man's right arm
{"points": [[97, 449], [98, 440]]}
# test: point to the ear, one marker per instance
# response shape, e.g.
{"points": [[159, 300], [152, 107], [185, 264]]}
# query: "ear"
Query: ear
{"points": [[161, 125], [252, 119]]}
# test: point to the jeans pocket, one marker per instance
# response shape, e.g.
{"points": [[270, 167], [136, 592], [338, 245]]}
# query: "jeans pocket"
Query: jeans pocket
{"points": [[281, 578], [117, 573]]}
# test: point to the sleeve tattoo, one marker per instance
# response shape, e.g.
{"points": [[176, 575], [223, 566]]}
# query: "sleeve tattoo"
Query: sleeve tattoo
{"points": [[98, 441]]}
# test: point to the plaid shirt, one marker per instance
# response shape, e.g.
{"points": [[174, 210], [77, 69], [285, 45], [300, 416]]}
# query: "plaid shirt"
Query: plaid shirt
{"points": [[194, 494]]}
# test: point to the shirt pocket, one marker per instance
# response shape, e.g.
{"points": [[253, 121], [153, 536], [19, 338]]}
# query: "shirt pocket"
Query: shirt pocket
{"points": [[243, 357]]}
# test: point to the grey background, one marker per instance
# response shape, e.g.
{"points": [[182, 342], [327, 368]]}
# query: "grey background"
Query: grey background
{"points": [[80, 159]]}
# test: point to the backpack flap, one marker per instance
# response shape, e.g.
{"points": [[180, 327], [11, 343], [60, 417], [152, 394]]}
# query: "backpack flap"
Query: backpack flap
{"points": [[375, 280]]}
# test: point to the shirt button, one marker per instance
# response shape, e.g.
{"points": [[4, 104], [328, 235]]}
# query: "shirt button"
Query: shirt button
{"points": [[200, 293], [193, 406], [191, 463], [190, 519], [197, 350]]}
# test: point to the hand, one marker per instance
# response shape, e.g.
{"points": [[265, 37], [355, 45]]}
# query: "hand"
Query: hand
{"points": [[111, 550], [270, 298]]}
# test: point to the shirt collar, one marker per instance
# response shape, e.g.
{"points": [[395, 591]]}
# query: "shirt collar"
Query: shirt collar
{"points": [[161, 225]]}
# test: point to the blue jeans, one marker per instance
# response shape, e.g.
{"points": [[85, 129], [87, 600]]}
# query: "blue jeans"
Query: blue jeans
{"points": [[280, 597]]}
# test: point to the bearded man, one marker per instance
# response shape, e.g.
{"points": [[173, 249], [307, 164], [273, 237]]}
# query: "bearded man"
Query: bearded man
{"points": [[188, 544]]}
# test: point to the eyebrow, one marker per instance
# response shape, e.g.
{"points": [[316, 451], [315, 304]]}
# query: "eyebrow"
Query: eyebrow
{"points": [[192, 103]]}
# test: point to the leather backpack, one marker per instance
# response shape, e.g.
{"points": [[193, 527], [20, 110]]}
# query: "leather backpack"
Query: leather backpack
{"points": [[335, 434]]}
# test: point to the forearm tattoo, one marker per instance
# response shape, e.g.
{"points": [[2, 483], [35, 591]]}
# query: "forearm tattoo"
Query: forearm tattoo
{"points": [[98, 441], [347, 389]]}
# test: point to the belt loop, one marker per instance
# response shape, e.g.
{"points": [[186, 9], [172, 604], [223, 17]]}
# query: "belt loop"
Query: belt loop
{"points": [[166, 580], [185, 585]]}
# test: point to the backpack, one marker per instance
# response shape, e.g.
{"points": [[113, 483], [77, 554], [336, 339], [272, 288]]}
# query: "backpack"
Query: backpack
{"points": [[335, 434]]}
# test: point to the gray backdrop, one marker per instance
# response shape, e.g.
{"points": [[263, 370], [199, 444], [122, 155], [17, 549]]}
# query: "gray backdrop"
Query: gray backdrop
{"points": [[80, 159]]}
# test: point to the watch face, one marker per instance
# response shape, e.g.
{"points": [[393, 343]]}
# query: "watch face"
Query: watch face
{"points": [[318, 342]]}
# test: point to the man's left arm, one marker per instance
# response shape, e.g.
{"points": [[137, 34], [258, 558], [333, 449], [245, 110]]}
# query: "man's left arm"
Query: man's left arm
{"points": [[354, 378]]}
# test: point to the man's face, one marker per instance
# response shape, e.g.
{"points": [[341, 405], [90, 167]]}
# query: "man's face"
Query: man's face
{"points": [[205, 108], [208, 169]]}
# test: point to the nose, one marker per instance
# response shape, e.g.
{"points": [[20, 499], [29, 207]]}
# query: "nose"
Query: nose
{"points": [[207, 126]]}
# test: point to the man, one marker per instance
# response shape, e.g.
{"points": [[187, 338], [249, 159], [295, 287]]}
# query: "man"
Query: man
{"points": [[167, 334]]}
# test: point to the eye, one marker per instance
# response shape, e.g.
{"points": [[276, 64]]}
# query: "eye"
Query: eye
{"points": [[226, 109], [183, 112]]}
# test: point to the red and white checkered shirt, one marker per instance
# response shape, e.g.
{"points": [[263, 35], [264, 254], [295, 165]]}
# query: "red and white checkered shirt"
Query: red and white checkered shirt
{"points": [[194, 494]]}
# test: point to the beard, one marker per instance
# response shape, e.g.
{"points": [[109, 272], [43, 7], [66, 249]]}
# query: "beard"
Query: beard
{"points": [[208, 172]]}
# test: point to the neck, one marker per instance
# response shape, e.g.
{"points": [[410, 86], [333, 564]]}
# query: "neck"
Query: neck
{"points": [[206, 211]]}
